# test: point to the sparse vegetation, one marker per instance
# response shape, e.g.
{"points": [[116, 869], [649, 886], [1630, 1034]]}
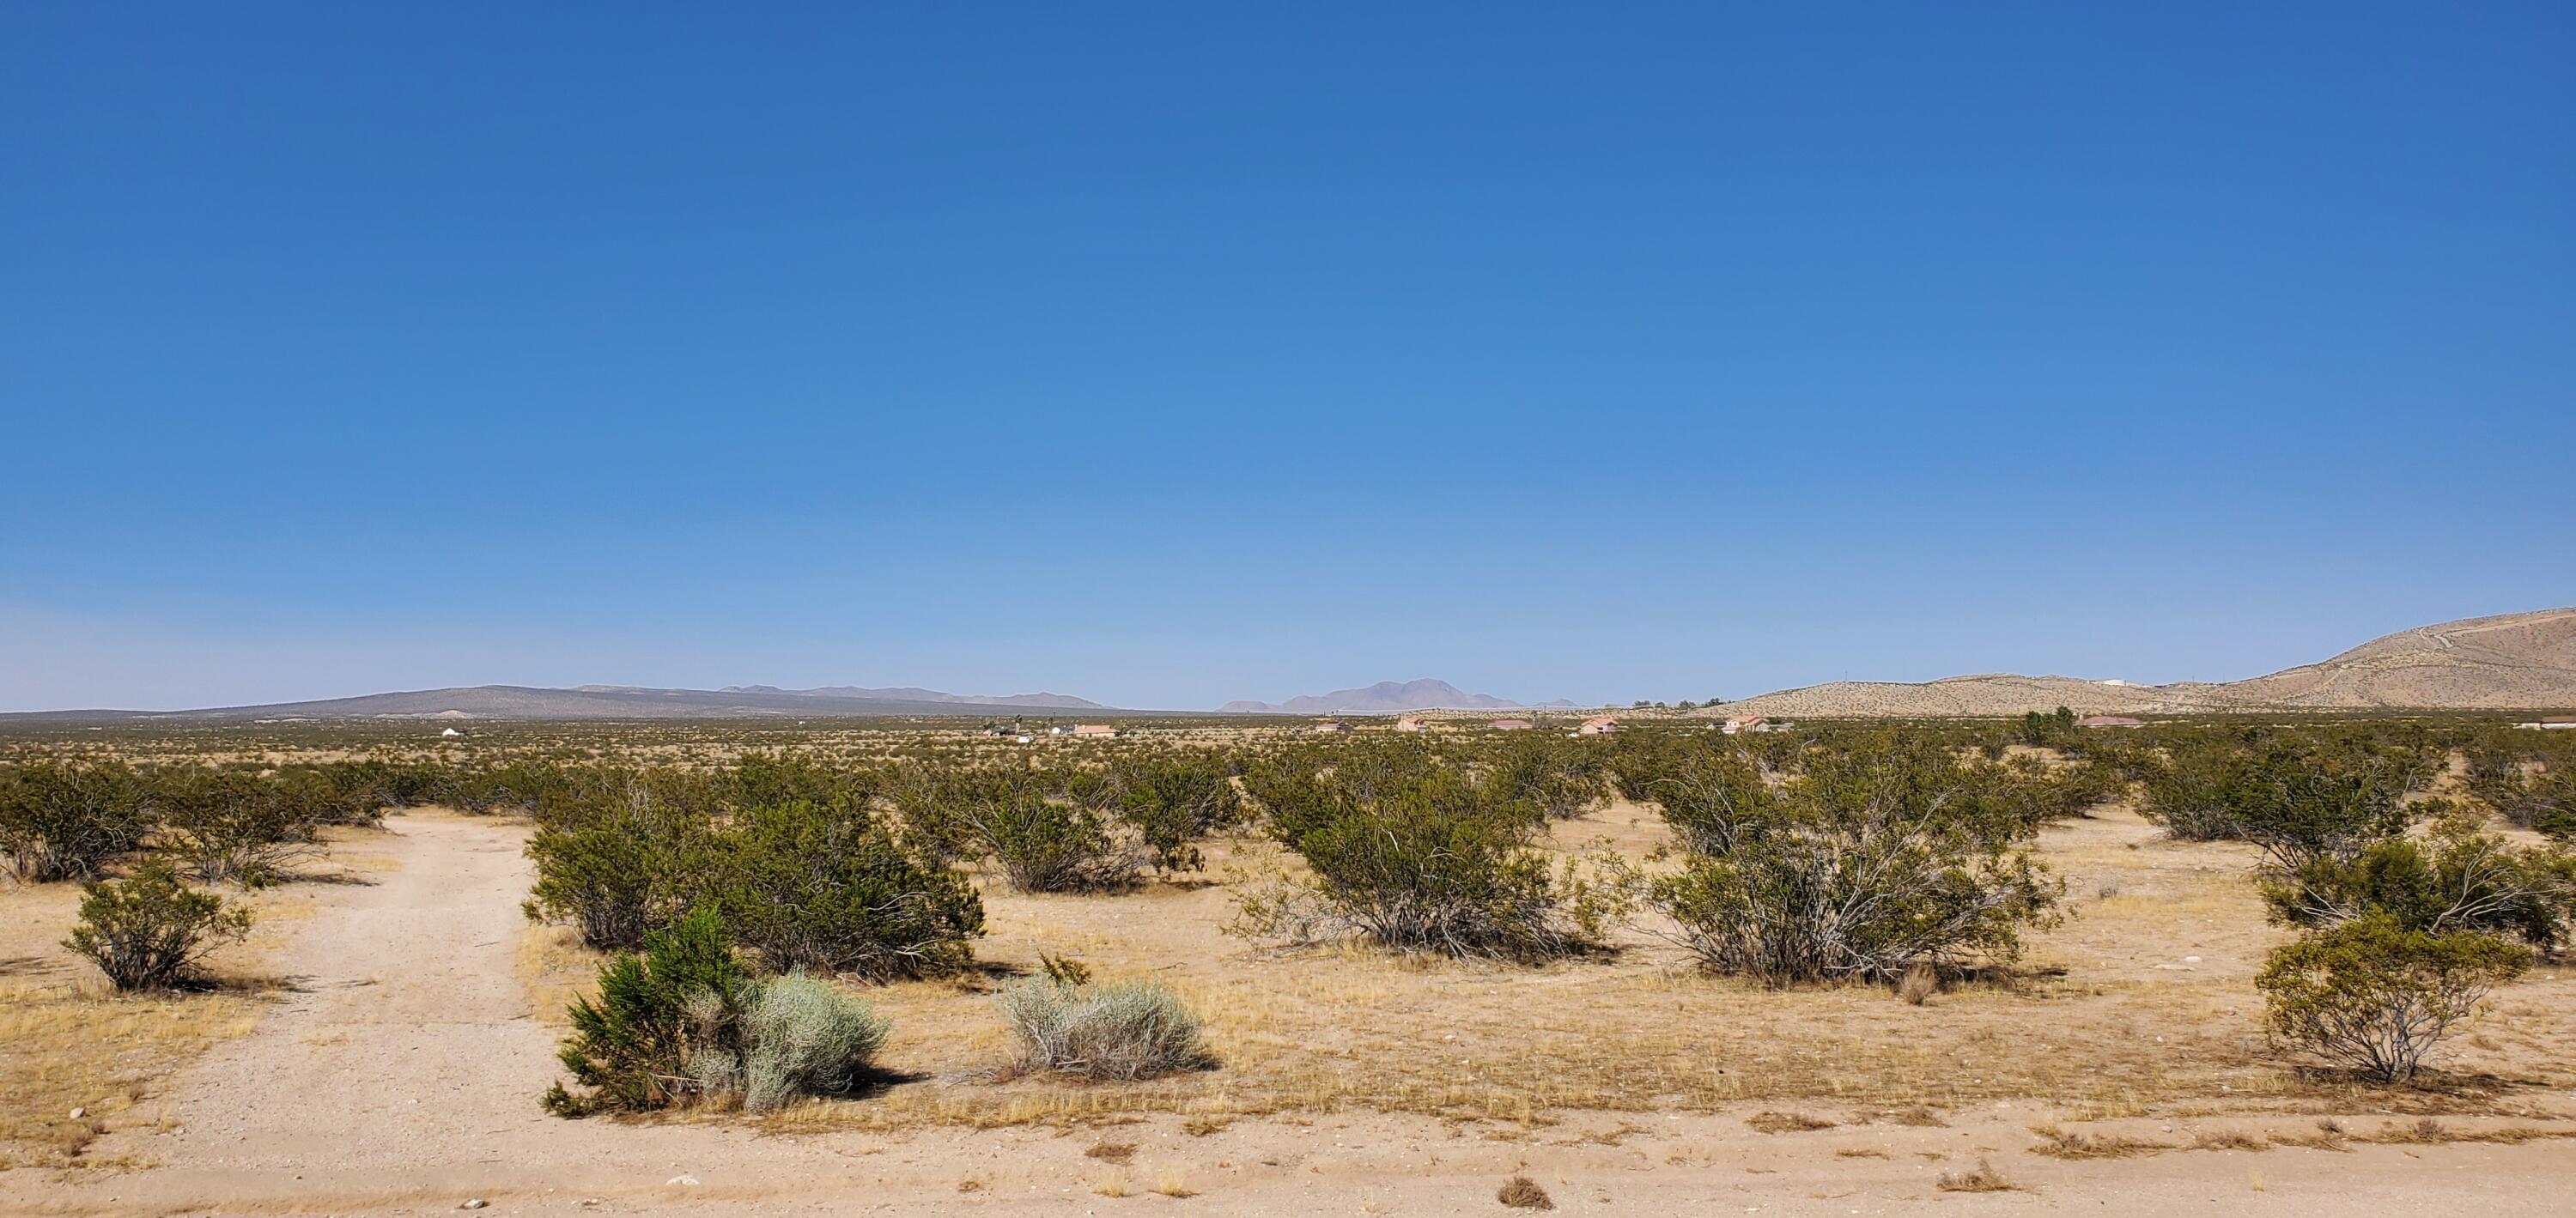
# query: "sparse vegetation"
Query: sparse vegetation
{"points": [[151, 932], [1418, 857], [1124, 1030], [1863, 865], [2375, 996]]}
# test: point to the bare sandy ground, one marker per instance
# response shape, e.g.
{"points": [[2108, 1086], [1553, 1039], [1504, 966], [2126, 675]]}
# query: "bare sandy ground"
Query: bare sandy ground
{"points": [[401, 1074]]}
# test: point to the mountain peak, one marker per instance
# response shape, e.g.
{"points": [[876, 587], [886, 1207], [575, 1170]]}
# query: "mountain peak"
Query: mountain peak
{"points": [[1385, 697]]}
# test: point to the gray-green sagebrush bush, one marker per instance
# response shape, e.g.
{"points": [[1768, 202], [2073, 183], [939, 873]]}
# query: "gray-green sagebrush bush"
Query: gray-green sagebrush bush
{"points": [[1116, 1031]]}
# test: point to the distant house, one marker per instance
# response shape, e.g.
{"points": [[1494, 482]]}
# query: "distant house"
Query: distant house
{"points": [[2552, 723], [1745, 723], [1026, 739], [1410, 723], [2109, 721], [1331, 725], [1511, 725], [1094, 730], [451, 732], [1601, 725]]}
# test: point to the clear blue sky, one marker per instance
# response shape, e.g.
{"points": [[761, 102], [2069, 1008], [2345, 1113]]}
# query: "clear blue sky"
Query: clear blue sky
{"points": [[1171, 354]]}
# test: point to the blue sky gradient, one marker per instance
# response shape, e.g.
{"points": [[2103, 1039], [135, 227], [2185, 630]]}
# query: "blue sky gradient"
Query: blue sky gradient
{"points": [[1168, 354]]}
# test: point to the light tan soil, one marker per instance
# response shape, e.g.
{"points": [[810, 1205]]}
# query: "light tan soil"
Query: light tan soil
{"points": [[399, 1073]]}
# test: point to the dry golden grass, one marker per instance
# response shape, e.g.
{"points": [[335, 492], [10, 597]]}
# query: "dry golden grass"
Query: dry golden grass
{"points": [[66, 1047], [2061, 1144], [1523, 1193], [1786, 1122]]}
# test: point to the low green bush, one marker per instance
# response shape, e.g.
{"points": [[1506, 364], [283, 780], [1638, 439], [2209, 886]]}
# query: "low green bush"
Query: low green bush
{"points": [[151, 931], [2376, 997]]}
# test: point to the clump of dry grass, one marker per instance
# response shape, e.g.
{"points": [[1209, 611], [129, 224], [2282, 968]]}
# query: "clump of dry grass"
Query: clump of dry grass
{"points": [[2058, 1143], [1983, 1179], [1859, 1152], [1920, 1117], [1786, 1122], [1114, 1184], [1918, 985], [1523, 1193], [1169, 1182], [2227, 1139], [1114, 1152], [1202, 1126]]}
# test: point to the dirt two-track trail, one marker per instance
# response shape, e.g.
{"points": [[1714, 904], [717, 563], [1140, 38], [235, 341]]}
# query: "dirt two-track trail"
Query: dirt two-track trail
{"points": [[400, 1074]]}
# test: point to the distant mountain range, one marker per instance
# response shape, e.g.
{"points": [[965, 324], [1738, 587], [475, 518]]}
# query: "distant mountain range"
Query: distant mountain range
{"points": [[1384, 698], [907, 693], [2517, 661], [625, 702]]}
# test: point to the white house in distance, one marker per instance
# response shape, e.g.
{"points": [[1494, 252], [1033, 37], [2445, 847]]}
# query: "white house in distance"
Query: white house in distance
{"points": [[2551, 723], [1410, 723], [1511, 725], [1331, 725], [1598, 725], [1094, 730], [1744, 723], [449, 734]]}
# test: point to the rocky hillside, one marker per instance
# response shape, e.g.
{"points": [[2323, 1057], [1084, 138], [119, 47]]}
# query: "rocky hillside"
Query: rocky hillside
{"points": [[2516, 661]]}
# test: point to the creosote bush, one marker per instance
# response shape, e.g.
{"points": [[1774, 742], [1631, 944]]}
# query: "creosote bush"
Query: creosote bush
{"points": [[2376, 997], [151, 931], [830, 886], [1121, 1031], [1419, 859], [1865, 863], [67, 821]]}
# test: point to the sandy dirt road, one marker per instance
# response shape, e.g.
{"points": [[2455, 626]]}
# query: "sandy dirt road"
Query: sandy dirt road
{"points": [[401, 1075]]}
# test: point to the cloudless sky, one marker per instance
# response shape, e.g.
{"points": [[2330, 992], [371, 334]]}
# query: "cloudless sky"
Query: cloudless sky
{"points": [[1167, 354]]}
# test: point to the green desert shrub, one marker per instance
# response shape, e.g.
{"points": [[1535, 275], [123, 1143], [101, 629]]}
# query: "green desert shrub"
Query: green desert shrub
{"points": [[1122, 1030], [1052, 843], [631, 1047], [2457, 877], [151, 931], [2376, 997], [618, 866], [233, 826], [686, 1022], [826, 886], [831, 887], [1428, 862], [2293, 798], [1872, 860], [1173, 801], [67, 821]]}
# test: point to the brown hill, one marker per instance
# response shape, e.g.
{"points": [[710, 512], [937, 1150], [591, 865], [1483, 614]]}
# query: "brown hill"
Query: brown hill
{"points": [[2515, 661]]}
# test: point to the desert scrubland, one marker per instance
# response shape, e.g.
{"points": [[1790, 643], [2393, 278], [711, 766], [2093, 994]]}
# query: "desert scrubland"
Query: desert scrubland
{"points": [[2294, 965]]}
